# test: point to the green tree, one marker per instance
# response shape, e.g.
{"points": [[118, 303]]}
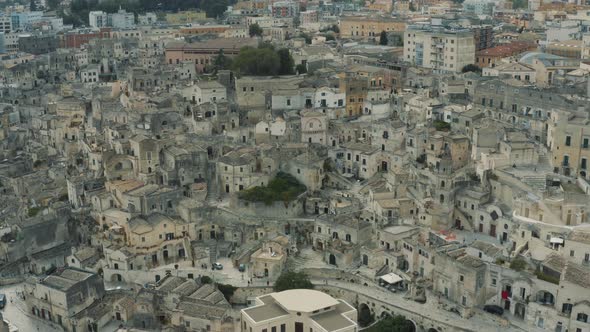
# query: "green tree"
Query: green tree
{"points": [[306, 37], [52, 4], [518, 264], [215, 8], [287, 64], [261, 61], [335, 28], [221, 61], [471, 68], [206, 280], [397, 324], [292, 280], [227, 290], [520, 4], [255, 30], [383, 38]]}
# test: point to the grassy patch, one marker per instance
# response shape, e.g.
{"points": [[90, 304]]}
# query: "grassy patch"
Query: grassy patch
{"points": [[442, 126], [284, 187], [548, 278], [34, 211]]}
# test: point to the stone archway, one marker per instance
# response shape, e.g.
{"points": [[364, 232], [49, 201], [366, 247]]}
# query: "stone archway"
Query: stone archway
{"points": [[365, 316], [116, 277]]}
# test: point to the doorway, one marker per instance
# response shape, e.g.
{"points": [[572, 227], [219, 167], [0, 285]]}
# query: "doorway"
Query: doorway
{"points": [[332, 259]]}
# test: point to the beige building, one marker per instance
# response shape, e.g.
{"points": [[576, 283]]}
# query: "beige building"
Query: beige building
{"points": [[568, 139], [368, 28], [299, 310], [269, 261], [438, 49]]}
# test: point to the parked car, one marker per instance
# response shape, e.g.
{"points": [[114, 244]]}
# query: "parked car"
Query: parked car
{"points": [[494, 309], [217, 266], [2, 301]]}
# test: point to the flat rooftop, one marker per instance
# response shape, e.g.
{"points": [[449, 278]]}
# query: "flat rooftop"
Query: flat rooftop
{"points": [[304, 300], [332, 321], [269, 310]]}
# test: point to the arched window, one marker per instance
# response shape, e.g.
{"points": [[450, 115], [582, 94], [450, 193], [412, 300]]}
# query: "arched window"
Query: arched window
{"points": [[348, 238]]}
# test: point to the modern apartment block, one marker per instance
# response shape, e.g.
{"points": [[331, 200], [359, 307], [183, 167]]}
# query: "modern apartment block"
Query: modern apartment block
{"points": [[299, 310], [440, 49]]}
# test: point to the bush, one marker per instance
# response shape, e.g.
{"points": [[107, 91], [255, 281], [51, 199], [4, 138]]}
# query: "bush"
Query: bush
{"points": [[398, 323], [442, 126], [518, 264], [284, 187], [292, 280], [421, 159], [34, 211], [548, 278], [206, 280], [227, 290]]}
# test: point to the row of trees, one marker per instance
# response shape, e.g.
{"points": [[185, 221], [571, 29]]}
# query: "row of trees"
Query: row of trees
{"points": [[264, 60]]}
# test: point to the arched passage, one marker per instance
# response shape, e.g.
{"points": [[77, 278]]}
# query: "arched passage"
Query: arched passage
{"points": [[365, 316], [116, 277]]}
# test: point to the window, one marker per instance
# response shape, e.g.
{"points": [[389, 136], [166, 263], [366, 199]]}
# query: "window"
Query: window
{"points": [[461, 278], [464, 300], [568, 141], [494, 281], [585, 143], [582, 317], [572, 253], [283, 328]]}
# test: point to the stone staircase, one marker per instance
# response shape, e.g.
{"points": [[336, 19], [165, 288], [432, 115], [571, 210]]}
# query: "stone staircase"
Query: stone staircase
{"points": [[213, 252], [537, 181]]}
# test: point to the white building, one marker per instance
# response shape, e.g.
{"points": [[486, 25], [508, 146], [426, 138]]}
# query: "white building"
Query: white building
{"points": [[205, 92], [299, 310], [147, 19], [5, 24], [439, 49], [122, 20], [98, 19]]}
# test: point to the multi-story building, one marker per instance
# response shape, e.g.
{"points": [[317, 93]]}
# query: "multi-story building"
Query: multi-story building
{"points": [[369, 28], [5, 24], [299, 310], [285, 9], [122, 20], [97, 19], [483, 36], [184, 17], [63, 295], [568, 139], [439, 49]]}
